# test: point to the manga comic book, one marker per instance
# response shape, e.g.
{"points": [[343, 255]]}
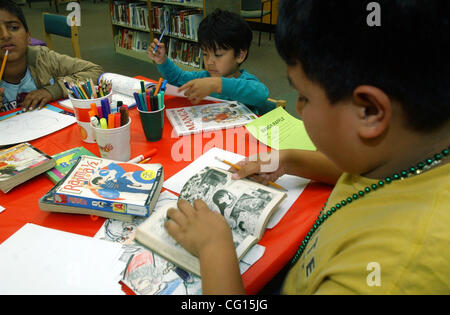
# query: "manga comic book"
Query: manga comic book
{"points": [[246, 205], [20, 163], [112, 186], [209, 117]]}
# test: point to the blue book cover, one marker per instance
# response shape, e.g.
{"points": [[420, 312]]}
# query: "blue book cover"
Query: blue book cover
{"points": [[112, 186]]}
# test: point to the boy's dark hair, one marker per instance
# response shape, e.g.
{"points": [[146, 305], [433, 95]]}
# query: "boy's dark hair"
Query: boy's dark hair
{"points": [[225, 30], [14, 9], [408, 56]]}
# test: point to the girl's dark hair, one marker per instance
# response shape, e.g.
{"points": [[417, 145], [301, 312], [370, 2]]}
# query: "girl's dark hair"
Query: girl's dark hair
{"points": [[225, 30], [408, 56], [14, 9]]}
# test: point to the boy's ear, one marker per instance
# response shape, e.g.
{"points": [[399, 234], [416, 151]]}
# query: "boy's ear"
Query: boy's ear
{"points": [[374, 109], [241, 56], [29, 38]]}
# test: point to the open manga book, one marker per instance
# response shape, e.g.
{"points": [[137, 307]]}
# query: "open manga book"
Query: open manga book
{"points": [[246, 205]]}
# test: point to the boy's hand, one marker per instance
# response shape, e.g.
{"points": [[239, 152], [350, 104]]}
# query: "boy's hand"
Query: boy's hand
{"points": [[160, 55], [38, 98], [197, 228], [263, 168], [197, 89]]}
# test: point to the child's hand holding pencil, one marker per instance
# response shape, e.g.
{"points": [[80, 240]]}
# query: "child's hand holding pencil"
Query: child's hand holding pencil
{"points": [[159, 56], [253, 168]]}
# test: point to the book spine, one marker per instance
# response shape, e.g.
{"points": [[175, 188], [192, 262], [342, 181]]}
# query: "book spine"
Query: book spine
{"points": [[54, 175], [178, 129], [158, 178], [102, 205]]}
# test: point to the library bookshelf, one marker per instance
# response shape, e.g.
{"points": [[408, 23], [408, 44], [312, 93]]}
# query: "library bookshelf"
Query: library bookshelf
{"points": [[136, 23]]}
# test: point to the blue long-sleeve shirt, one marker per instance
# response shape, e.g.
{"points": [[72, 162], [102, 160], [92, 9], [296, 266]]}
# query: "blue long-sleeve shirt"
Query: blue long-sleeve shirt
{"points": [[246, 89]]}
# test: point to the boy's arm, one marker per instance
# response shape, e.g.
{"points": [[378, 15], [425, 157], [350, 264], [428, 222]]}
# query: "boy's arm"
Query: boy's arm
{"points": [[249, 91], [308, 164], [312, 164], [70, 69], [207, 235], [175, 76]]}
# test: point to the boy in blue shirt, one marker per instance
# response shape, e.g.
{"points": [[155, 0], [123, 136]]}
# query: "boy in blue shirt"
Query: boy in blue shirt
{"points": [[225, 40]]}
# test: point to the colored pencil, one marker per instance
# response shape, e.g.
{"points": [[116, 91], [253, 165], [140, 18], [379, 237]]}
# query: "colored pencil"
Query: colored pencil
{"points": [[3, 64]]}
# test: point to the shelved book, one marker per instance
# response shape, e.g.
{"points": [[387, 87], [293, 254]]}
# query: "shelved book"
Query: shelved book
{"points": [[20, 163], [109, 186], [184, 52], [65, 161], [134, 14], [132, 40], [209, 117], [247, 206], [181, 22]]}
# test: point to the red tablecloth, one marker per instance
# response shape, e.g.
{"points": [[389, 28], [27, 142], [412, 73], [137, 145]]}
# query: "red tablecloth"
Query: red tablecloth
{"points": [[174, 154]]}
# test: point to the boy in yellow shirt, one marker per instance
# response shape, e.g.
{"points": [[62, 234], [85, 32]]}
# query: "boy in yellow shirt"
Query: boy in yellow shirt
{"points": [[376, 103]]}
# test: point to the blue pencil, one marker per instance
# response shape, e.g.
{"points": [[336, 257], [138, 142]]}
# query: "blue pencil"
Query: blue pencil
{"points": [[159, 40]]}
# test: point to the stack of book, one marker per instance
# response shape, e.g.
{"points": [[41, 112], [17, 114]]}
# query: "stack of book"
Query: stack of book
{"points": [[106, 188], [20, 163]]}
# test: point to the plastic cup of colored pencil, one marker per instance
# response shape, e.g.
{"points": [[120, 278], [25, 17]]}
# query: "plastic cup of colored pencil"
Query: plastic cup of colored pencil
{"points": [[82, 107], [152, 123], [114, 143]]}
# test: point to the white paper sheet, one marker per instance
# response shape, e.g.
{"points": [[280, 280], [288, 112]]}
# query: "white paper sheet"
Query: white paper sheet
{"points": [[39, 260], [32, 125], [173, 91]]}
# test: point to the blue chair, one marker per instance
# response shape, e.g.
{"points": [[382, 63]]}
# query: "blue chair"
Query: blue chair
{"points": [[254, 9], [57, 25]]}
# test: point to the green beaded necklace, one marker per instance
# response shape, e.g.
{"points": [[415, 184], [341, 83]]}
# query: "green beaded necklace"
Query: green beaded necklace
{"points": [[324, 215]]}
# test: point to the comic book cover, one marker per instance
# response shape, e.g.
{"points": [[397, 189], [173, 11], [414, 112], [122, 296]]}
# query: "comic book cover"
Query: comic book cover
{"points": [[119, 187], [209, 117], [20, 163], [64, 162], [19, 158]]}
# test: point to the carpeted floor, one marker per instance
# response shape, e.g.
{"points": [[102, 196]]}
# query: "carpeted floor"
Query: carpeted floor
{"points": [[96, 42]]}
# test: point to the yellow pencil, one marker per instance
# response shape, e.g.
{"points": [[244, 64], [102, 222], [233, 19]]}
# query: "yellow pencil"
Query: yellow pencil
{"points": [[145, 161], [238, 168], [3, 64]]}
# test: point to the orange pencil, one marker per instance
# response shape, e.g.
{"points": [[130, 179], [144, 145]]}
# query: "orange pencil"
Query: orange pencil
{"points": [[238, 168], [111, 121], [3, 64], [158, 86]]}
